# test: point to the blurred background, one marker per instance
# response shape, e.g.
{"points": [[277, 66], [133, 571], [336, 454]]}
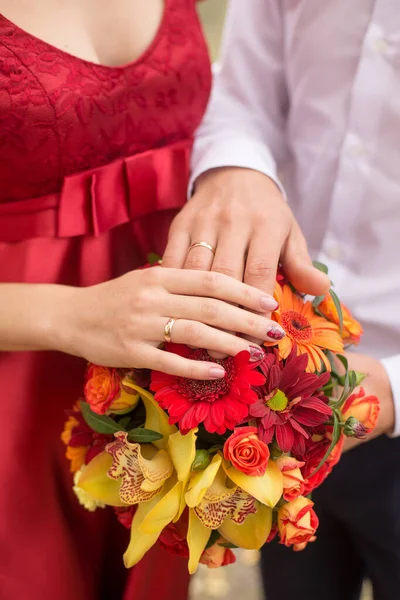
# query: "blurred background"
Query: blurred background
{"points": [[212, 13], [241, 580]]}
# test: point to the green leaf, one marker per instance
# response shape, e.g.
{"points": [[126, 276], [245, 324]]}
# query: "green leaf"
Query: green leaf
{"points": [[228, 545], [99, 423], [349, 382], [335, 438], [215, 535], [343, 360], [125, 422], [338, 307], [332, 359], [201, 460], [144, 435], [153, 258], [317, 301], [320, 266], [213, 439]]}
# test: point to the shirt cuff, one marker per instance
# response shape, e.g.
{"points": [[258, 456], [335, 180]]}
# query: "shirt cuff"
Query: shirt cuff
{"points": [[392, 367], [234, 151]]}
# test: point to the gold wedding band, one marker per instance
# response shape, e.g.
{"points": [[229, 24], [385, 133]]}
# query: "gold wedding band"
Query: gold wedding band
{"points": [[203, 245], [168, 328]]}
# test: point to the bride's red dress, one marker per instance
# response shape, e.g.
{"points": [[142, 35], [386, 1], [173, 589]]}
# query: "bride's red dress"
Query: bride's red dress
{"points": [[93, 167]]}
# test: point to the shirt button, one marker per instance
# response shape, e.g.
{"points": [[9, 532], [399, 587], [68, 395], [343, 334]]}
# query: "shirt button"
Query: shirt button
{"points": [[335, 252], [381, 46], [354, 145], [376, 39]]}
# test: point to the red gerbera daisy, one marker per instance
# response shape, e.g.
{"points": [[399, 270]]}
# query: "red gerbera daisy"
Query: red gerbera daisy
{"points": [[291, 401], [219, 404]]}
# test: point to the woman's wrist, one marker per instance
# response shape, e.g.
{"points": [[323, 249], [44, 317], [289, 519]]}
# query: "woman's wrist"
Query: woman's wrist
{"points": [[59, 327], [34, 316]]}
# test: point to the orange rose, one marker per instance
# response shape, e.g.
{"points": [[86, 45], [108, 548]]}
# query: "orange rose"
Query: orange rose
{"points": [[217, 556], [246, 452], [352, 330], [297, 521], [103, 385], [300, 547], [363, 408], [293, 480]]}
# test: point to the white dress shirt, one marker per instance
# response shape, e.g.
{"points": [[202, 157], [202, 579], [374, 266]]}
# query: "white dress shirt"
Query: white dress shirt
{"points": [[310, 90]]}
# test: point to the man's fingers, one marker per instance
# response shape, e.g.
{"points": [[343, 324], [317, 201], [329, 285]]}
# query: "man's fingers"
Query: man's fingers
{"points": [[298, 266], [200, 257], [229, 258], [263, 258], [231, 251], [176, 250]]}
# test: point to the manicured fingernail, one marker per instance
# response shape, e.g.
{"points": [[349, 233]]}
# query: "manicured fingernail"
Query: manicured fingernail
{"points": [[256, 353], [216, 373], [276, 333], [268, 303]]}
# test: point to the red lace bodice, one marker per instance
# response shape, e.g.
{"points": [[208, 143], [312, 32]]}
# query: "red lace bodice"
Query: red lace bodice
{"points": [[60, 115]]}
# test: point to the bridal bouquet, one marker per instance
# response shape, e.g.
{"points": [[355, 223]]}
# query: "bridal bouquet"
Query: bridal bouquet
{"points": [[202, 467]]}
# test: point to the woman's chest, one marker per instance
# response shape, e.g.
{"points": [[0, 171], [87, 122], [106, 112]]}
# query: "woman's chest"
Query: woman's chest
{"points": [[60, 115]]}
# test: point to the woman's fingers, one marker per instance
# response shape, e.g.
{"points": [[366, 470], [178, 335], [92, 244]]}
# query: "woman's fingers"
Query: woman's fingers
{"points": [[216, 285], [221, 315], [170, 363], [298, 266], [199, 335]]}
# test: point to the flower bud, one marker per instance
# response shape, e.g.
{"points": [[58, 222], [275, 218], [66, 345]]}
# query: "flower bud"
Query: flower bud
{"points": [[359, 378], [201, 460], [354, 428]]}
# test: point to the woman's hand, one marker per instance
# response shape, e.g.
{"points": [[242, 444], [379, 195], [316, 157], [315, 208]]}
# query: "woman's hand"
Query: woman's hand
{"points": [[242, 214], [121, 323]]}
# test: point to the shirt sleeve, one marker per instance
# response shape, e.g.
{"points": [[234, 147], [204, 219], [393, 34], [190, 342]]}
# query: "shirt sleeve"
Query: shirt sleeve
{"points": [[245, 119], [392, 366]]}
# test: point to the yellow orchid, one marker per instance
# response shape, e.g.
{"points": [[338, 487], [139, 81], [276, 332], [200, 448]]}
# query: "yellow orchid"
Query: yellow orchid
{"points": [[158, 478], [156, 418], [151, 517], [154, 476], [142, 468], [237, 505]]}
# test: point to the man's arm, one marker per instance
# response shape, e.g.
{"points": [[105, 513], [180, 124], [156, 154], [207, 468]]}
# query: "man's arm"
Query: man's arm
{"points": [[239, 208], [246, 117], [392, 368], [383, 381]]}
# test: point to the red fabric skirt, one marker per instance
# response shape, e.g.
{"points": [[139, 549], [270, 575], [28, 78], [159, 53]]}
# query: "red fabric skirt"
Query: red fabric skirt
{"points": [[101, 225]]}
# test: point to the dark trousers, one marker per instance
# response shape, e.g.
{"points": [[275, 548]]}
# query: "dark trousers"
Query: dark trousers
{"points": [[359, 534]]}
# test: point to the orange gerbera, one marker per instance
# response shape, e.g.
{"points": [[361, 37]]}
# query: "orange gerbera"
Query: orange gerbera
{"points": [[352, 329], [308, 331]]}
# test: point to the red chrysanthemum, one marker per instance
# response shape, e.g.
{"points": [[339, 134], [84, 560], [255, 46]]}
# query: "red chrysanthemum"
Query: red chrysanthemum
{"points": [[219, 404], [291, 401]]}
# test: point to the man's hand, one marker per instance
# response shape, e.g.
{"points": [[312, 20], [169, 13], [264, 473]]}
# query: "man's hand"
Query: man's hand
{"points": [[242, 214], [378, 384]]}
